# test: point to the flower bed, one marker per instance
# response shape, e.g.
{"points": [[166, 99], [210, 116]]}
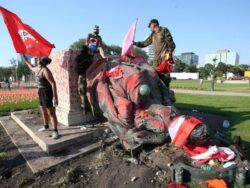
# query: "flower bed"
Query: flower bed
{"points": [[17, 95]]}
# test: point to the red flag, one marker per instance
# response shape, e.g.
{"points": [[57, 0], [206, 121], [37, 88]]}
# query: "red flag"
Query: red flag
{"points": [[25, 39]]}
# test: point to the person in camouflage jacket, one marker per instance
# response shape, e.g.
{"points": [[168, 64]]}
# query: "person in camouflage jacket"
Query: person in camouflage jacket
{"points": [[163, 45]]}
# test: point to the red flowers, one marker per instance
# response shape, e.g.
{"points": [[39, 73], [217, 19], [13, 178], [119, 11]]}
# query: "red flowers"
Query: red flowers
{"points": [[17, 95]]}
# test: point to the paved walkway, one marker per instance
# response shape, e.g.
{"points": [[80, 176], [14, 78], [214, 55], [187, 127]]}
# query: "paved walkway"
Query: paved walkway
{"points": [[222, 93]]}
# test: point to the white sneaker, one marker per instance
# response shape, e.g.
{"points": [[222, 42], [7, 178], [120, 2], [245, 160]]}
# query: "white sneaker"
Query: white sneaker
{"points": [[55, 135], [43, 129]]}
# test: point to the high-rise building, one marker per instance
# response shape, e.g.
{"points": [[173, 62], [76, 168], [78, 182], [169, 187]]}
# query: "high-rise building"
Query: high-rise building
{"points": [[224, 56], [189, 58], [150, 52]]}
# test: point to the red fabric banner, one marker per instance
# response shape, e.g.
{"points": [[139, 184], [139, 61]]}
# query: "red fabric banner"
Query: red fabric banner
{"points": [[25, 39], [166, 66]]}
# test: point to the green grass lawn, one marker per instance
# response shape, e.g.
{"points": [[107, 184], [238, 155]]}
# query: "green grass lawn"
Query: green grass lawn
{"points": [[195, 85], [10, 107], [235, 109]]}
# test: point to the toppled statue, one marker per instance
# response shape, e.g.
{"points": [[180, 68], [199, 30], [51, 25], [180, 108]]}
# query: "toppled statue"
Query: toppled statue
{"points": [[138, 105]]}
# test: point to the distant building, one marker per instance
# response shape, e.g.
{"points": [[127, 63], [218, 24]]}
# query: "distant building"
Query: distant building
{"points": [[189, 58], [20, 59], [224, 56], [150, 52]]}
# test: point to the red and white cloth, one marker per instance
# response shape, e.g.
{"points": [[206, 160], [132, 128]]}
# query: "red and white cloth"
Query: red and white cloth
{"points": [[166, 65], [181, 127], [202, 154], [115, 72]]}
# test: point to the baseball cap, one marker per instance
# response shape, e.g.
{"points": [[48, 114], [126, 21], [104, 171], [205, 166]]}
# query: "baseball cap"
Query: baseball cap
{"points": [[153, 21]]}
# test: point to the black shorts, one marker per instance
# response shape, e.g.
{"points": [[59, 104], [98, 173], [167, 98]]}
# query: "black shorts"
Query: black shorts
{"points": [[45, 97]]}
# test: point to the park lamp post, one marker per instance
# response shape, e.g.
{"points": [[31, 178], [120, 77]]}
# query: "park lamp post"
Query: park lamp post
{"points": [[212, 72]]}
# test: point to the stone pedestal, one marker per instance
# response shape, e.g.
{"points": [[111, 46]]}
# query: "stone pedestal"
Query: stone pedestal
{"points": [[64, 70]]}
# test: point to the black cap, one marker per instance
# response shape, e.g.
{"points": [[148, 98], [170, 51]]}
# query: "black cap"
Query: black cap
{"points": [[153, 21]]}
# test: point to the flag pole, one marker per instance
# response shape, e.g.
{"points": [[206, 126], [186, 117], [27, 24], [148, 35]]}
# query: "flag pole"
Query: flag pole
{"points": [[136, 20]]}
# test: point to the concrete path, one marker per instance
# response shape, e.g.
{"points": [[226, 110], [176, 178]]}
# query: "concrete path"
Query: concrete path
{"points": [[222, 93]]}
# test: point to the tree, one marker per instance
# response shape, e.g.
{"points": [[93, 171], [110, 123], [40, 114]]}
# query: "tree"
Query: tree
{"points": [[13, 62], [109, 49], [192, 68], [222, 67], [237, 71], [179, 66], [114, 50], [203, 72], [1, 74], [218, 73], [230, 68], [140, 52], [208, 67], [244, 67], [77, 44], [22, 69], [5, 73]]}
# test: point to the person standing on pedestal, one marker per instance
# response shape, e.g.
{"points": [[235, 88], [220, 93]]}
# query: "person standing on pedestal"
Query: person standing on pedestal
{"points": [[94, 43], [83, 61], [163, 45], [47, 93]]}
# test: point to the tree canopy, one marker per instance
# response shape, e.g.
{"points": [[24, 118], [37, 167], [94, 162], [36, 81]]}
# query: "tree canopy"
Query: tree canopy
{"points": [[109, 49]]}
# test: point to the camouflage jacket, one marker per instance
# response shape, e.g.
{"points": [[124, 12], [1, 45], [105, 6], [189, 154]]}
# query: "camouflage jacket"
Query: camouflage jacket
{"points": [[162, 42]]}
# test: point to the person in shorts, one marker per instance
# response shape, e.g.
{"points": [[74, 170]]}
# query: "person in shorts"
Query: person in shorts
{"points": [[47, 93]]}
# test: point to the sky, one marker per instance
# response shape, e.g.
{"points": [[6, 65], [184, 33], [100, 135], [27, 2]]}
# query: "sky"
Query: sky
{"points": [[199, 26]]}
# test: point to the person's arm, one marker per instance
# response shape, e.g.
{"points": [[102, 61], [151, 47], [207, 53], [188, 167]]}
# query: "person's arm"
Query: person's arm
{"points": [[100, 48], [144, 43], [102, 52], [87, 40], [31, 67], [48, 75], [169, 40]]}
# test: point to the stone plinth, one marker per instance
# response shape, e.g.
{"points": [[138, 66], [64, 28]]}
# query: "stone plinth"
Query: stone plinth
{"points": [[69, 136], [38, 159], [64, 70]]}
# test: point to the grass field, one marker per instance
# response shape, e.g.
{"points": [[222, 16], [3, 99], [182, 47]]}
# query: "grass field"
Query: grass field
{"points": [[195, 85], [235, 109], [10, 107], [17, 99]]}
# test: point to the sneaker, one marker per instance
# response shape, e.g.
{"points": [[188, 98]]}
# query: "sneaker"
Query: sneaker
{"points": [[55, 135], [43, 129]]}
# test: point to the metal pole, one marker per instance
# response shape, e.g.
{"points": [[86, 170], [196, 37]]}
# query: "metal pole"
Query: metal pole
{"points": [[212, 73], [16, 74], [212, 80]]}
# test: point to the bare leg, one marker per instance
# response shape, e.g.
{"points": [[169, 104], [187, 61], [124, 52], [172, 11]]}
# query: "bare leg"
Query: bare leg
{"points": [[45, 115], [53, 118]]}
